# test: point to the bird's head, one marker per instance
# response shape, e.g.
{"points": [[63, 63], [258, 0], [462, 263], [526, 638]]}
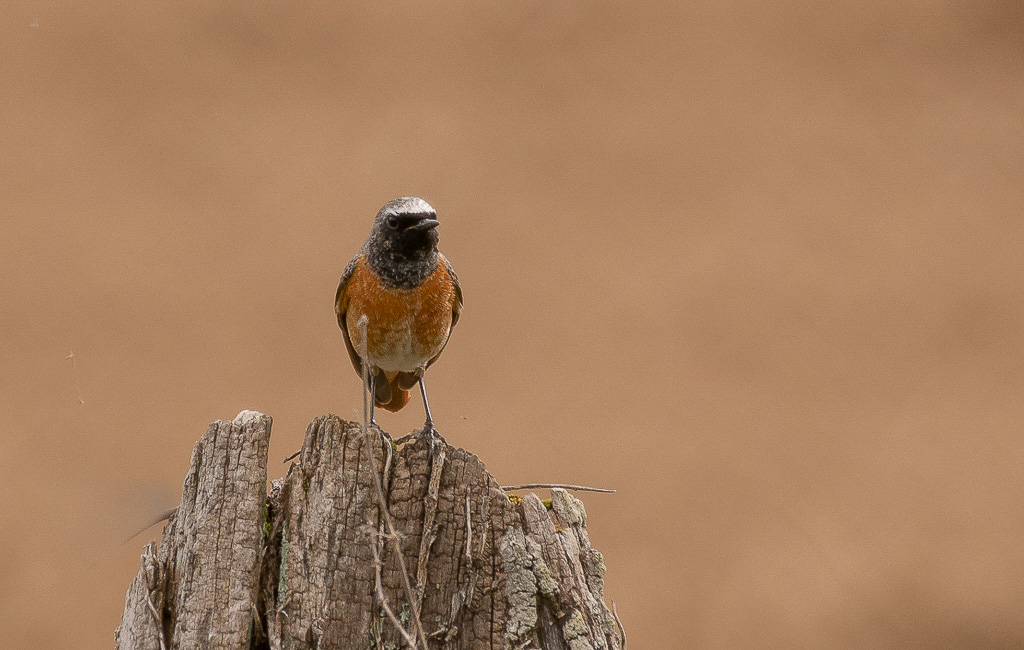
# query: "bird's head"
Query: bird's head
{"points": [[406, 227]]}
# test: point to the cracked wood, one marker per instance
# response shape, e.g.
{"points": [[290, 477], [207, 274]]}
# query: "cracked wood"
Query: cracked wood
{"points": [[237, 568]]}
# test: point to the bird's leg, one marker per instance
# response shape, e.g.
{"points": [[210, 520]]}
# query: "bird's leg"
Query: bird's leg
{"points": [[373, 396], [429, 424]]}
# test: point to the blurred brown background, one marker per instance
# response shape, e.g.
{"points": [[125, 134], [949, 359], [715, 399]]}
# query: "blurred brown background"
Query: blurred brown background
{"points": [[759, 268]]}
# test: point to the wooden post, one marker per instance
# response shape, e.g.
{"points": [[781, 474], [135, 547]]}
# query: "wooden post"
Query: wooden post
{"points": [[311, 565]]}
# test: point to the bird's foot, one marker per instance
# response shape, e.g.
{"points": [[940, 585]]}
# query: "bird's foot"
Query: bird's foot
{"points": [[435, 438]]}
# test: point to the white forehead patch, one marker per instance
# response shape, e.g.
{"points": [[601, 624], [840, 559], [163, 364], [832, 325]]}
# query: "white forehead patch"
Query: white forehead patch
{"points": [[408, 205]]}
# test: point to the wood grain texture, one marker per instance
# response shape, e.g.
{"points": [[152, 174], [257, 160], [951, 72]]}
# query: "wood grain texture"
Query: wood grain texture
{"points": [[203, 582], [295, 569]]}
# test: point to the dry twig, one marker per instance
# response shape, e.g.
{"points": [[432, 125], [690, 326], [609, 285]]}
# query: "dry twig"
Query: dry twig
{"points": [[383, 600], [382, 501], [579, 488], [487, 523], [429, 529], [469, 530], [622, 630], [465, 595], [163, 516]]}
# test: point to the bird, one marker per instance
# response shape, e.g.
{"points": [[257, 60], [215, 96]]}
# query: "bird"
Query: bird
{"points": [[410, 297]]}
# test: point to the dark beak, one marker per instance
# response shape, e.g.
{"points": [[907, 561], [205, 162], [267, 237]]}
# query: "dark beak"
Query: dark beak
{"points": [[426, 224]]}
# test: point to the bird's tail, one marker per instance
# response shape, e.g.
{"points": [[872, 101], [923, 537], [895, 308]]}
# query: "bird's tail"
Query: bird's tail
{"points": [[391, 394], [399, 398]]}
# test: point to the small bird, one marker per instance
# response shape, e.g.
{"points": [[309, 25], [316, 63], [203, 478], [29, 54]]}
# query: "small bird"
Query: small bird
{"points": [[411, 298]]}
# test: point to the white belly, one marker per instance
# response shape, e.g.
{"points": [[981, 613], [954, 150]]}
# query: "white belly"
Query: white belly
{"points": [[399, 350]]}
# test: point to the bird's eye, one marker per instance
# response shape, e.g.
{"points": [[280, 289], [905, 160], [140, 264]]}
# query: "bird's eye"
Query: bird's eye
{"points": [[393, 223]]}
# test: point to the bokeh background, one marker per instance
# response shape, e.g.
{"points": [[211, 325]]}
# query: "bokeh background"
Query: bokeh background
{"points": [[757, 266]]}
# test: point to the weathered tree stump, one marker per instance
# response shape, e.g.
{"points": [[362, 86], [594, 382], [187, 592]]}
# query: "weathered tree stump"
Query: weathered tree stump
{"points": [[312, 566]]}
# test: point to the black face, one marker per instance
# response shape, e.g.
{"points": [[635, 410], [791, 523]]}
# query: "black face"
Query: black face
{"points": [[409, 233], [402, 248]]}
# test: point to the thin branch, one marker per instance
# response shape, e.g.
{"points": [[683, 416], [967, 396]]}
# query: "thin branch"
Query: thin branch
{"points": [[163, 516], [487, 524], [260, 632], [383, 600], [465, 595], [622, 630], [579, 488], [280, 608], [363, 326], [429, 529], [469, 530]]}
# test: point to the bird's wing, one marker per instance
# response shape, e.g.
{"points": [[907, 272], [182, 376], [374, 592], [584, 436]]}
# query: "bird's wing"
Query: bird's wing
{"points": [[341, 308], [456, 306]]}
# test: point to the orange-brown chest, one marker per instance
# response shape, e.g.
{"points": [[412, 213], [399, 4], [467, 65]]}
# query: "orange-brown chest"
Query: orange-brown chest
{"points": [[406, 327]]}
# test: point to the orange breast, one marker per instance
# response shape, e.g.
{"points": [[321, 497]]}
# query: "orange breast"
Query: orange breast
{"points": [[406, 328]]}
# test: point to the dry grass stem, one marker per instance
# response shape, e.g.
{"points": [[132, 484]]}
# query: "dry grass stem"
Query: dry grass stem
{"points": [[579, 488], [382, 502], [429, 528], [383, 600], [622, 630], [469, 530], [163, 516]]}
